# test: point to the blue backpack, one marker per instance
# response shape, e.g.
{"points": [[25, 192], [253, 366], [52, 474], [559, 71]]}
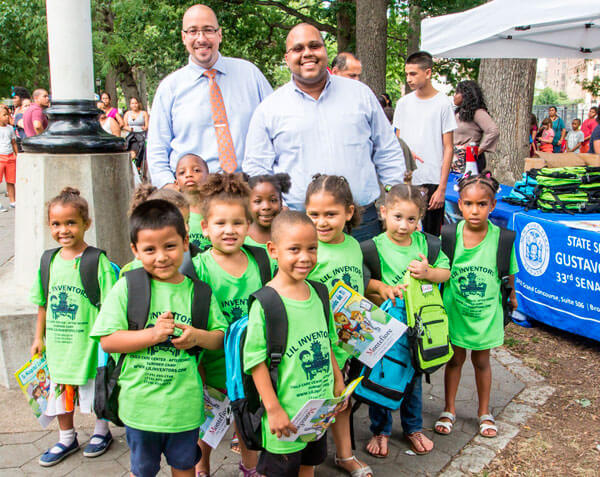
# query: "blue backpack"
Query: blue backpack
{"points": [[385, 383], [246, 406]]}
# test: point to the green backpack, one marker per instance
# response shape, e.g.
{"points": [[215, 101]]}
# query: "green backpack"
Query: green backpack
{"points": [[427, 323], [568, 189], [425, 314]]}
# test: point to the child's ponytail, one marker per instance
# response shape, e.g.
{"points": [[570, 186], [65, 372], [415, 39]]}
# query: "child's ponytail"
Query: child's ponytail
{"points": [[71, 196], [226, 188], [146, 192], [339, 188], [485, 178]]}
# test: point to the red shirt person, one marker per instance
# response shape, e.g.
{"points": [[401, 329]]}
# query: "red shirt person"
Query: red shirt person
{"points": [[588, 127], [34, 119]]}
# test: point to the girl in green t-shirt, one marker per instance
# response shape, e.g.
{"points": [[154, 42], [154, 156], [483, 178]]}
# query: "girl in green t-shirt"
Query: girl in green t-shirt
{"points": [[330, 205], [233, 275], [403, 248], [145, 192], [266, 200], [65, 319], [472, 298], [191, 172]]}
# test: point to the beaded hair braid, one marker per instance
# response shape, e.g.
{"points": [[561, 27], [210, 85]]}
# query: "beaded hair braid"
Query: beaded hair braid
{"points": [[485, 178]]}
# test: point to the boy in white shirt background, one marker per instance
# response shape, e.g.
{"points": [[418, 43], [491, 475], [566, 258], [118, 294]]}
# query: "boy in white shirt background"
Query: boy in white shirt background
{"points": [[424, 119]]}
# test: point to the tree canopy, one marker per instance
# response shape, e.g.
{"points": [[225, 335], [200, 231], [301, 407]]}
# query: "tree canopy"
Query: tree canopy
{"points": [[138, 42]]}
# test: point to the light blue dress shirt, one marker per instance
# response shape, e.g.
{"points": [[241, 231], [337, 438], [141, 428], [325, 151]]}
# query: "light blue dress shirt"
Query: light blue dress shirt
{"points": [[345, 132], [181, 119]]}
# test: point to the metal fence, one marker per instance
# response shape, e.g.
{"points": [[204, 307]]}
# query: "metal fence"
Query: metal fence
{"points": [[567, 112]]}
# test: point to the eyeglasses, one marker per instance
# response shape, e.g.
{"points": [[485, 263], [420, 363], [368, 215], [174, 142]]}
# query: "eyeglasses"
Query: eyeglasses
{"points": [[312, 46], [208, 32]]}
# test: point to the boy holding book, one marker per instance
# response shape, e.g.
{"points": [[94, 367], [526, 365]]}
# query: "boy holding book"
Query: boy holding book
{"points": [[161, 399], [307, 369]]}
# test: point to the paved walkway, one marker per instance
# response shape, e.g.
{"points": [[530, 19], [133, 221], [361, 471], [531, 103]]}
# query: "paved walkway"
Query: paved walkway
{"points": [[20, 450], [22, 441]]}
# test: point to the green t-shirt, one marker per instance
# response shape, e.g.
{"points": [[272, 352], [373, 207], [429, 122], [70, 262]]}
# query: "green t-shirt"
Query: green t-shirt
{"points": [[161, 389], [305, 370], [196, 235], [250, 241], [342, 261], [135, 263], [232, 295], [396, 258], [472, 295], [72, 356]]}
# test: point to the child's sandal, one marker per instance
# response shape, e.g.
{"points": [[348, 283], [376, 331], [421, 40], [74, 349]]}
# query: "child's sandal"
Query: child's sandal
{"points": [[446, 425], [363, 471], [248, 472], [487, 427]]}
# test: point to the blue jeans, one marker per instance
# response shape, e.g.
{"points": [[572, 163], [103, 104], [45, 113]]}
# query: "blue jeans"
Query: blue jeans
{"points": [[370, 225], [411, 411], [556, 148]]}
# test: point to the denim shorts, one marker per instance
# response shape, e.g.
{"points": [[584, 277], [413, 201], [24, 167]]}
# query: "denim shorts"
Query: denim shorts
{"points": [[180, 449]]}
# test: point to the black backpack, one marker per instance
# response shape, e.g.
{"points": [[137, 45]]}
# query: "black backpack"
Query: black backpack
{"points": [[106, 404], [246, 406], [88, 271], [373, 263], [505, 247], [258, 253]]}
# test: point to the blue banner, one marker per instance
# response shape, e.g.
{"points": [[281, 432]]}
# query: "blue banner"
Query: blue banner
{"points": [[559, 274]]}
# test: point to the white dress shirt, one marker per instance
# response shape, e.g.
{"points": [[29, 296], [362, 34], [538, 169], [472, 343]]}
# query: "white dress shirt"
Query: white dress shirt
{"points": [[345, 132], [181, 121]]}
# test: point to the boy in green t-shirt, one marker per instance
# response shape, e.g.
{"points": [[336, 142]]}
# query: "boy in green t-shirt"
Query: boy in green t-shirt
{"points": [[161, 397], [301, 376]]}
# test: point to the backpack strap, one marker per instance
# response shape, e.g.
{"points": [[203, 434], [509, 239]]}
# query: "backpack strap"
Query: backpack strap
{"points": [[262, 260], [276, 325], [138, 298], [88, 270], [200, 309], [45, 262], [371, 258], [324, 297], [434, 244], [187, 266], [449, 240], [505, 247]]}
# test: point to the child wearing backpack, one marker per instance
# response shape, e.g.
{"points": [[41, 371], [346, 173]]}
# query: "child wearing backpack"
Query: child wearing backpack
{"points": [[266, 201], [473, 298], [161, 399], [400, 248], [66, 315], [191, 172], [233, 271], [145, 192], [330, 205], [307, 369]]}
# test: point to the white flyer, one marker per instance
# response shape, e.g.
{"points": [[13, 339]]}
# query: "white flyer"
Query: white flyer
{"points": [[217, 417]]}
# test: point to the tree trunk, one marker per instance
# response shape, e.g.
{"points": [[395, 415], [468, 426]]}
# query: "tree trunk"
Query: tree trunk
{"points": [[371, 42], [414, 32], [508, 86], [110, 86], [140, 78], [127, 80], [346, 40]]}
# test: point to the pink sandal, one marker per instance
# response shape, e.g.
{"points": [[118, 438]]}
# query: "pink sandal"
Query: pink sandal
{"points": [[249, 472]]}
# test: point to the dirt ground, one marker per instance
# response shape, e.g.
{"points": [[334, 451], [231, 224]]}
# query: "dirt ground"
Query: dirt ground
{"points": [[563, 438]]}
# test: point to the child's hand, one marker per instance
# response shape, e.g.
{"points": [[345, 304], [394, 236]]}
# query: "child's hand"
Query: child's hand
{"points": [[419, 269], [164, 327], [279, 422], [187, 339], [338, 390], [37, 347], [513, 301]]}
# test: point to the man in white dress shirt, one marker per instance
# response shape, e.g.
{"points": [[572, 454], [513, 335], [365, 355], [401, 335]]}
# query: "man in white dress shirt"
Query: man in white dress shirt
{"points": [[205, 107], [320, 123]]}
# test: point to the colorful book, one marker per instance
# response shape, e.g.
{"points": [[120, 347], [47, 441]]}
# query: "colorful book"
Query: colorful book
{"points": [[365, 330], [34, 380], [315, 417], [217, 416]]}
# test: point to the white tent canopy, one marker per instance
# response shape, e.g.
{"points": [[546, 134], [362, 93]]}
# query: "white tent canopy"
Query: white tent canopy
{"points": [[517, 29]]}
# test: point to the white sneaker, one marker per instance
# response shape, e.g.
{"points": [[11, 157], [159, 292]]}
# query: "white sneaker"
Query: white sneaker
{"points": [[13, 205], [3, 209]]}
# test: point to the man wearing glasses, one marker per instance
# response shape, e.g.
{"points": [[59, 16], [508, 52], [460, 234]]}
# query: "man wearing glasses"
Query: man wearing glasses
{"points": [[324, 123], [205, 107]]}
